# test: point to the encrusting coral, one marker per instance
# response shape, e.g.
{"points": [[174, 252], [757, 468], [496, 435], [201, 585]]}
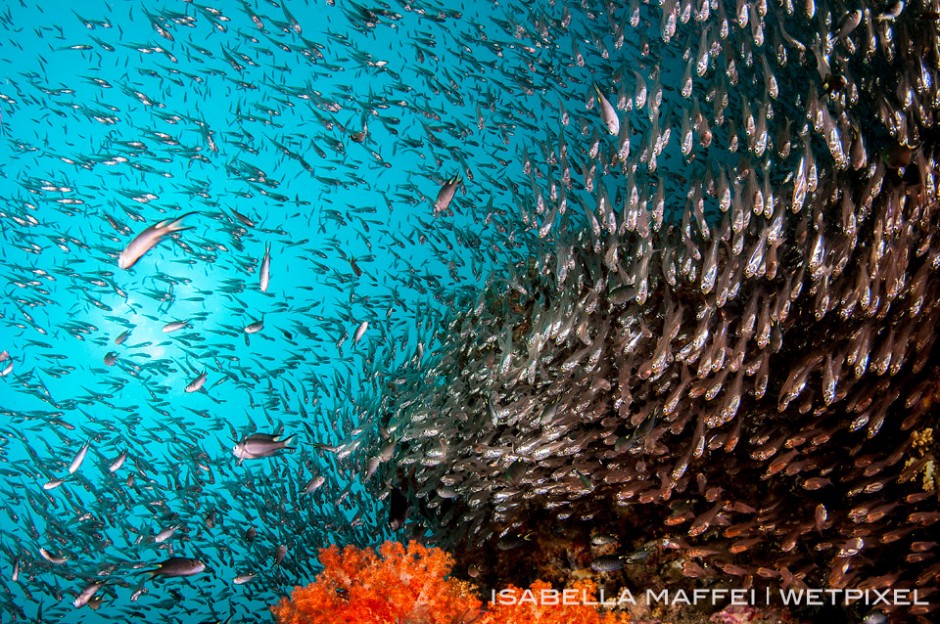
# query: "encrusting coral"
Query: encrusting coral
{"points": [[524, 607]]}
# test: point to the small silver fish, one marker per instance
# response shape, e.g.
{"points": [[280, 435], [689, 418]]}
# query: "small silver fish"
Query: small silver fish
{"points": [[196, 384], [891, 13], [52, 558], [603, 539], [607, 563], [848, 23], [174, 326], [265, 274], [164, 534], [820, 517], [79, 458], [313, 484], [360, 331], [118, 462]]}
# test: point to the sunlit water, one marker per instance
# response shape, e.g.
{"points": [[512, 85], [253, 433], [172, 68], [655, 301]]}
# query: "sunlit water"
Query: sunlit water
{"points": [[109, 126]]}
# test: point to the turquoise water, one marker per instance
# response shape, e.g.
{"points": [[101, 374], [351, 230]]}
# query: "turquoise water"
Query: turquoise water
{"points": [[323, 132], [116, 116]]}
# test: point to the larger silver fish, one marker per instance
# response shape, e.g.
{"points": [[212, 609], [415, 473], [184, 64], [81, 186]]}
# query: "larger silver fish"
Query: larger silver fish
{"points": [[178, 566], [85, 595], [446, 194], [608, 113], [146, 240], [259, 445]]}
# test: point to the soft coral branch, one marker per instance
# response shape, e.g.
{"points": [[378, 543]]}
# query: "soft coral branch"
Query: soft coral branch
{"points": [[399, 585]]}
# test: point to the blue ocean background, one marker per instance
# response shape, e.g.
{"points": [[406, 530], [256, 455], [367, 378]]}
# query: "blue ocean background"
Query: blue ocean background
{"points": [[116, 116]]}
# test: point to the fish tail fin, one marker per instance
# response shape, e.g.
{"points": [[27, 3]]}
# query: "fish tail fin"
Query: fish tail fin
{"points": [[174, 225]]}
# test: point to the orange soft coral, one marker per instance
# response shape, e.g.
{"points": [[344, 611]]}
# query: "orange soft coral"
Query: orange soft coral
{"points": [[399, 585], [402, 585]]}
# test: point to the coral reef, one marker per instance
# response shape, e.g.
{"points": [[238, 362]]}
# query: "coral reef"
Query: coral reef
{"points": [[399, 584], [523, 607], [409, 585]]}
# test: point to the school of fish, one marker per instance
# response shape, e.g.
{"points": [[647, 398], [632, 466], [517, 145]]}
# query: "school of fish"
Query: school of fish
{"points": [[285, 274], [721, 348]]}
